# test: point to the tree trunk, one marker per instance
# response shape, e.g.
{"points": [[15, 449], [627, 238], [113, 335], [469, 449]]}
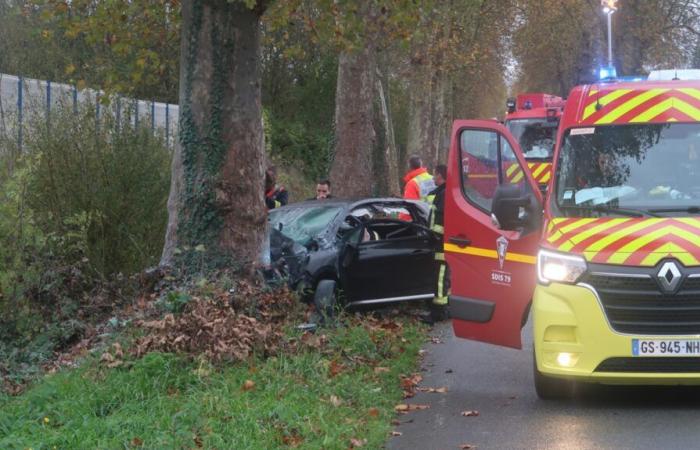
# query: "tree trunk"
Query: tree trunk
{"points": [[389, 151], [420, 127], [216, 210], [355, 137]]}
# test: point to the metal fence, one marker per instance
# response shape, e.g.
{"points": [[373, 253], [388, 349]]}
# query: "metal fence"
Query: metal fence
{"points": [[25, 98]]}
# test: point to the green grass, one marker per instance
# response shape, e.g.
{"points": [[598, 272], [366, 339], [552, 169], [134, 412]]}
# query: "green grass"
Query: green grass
{"points": [[165, 401]]}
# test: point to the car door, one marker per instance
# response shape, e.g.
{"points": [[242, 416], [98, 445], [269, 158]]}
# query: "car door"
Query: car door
{"points": [[390, 268], [492, 270]]}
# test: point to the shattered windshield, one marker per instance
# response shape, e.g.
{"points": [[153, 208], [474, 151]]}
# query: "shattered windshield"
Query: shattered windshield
{"points": [[304, 223], [535, 136], [646, 167]]}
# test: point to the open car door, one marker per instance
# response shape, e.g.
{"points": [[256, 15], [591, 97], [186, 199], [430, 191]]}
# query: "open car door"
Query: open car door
{"points": [[492, 270]]}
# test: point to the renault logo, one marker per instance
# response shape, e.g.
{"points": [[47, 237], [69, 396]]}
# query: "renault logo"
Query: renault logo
{"points": [[669, 276]]}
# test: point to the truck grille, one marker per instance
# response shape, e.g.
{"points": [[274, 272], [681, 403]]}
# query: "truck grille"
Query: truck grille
{"points": [[637, 305], [650, 365]]}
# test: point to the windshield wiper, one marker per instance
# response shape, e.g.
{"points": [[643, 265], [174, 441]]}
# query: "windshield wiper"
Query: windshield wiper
{"points": [[620, 211], [686, 209]]}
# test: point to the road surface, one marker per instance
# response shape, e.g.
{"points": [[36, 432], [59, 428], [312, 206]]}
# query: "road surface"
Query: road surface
{"points": [[497, 382]]}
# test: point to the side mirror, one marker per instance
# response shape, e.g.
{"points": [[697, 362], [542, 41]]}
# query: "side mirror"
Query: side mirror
{"points": [[509, 209]]}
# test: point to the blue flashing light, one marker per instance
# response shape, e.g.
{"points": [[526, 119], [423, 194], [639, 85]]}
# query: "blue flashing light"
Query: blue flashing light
{"points": [[607, 73]]}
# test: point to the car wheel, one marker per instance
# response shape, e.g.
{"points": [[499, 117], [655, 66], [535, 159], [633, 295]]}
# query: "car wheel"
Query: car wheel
{"points": [[550, 388], [325, 300]]}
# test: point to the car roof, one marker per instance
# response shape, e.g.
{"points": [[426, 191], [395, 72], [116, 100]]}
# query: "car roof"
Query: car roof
{"points": [[350, 203]]}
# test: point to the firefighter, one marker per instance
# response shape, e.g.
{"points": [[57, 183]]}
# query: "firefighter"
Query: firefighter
{"points": [[436, 198], [418, 181], [275, 195]]}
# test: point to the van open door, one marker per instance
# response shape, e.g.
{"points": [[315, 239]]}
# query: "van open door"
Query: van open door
{"points": [[491, 256]]}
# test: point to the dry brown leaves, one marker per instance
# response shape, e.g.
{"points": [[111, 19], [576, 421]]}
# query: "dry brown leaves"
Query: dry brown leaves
{"points": [[404, 407], [466, 446], [470, 413], [432, 390], [212, 328], [408, 384], [357, 443], [113, 358]]}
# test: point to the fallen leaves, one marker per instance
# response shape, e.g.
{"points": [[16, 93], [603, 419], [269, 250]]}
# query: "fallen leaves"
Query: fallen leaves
{"points": [[357, 443], [210, 327], [436, 340], [466, 446], [408, 407], [470, 413], [380, 369], [373, 412], [395, 433], [432, 390], [408, 384], [113, 359], [335, 401], [335, 368], [248, 385]]}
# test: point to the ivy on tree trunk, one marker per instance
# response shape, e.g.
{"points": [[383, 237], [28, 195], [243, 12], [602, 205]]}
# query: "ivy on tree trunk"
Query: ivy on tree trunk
{"points": [[216, 208]]}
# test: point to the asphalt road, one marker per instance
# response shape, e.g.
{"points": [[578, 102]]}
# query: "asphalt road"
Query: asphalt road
{"points": [[497, 382]]}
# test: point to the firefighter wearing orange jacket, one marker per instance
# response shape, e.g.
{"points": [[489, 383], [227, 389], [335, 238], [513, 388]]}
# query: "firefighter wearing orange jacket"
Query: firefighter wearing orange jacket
{"points": [[418, 181]]}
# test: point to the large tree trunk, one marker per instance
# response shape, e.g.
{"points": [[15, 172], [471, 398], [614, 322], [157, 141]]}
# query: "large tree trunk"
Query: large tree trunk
{"points": [[389, 151], [216, 206], [355, 137]]}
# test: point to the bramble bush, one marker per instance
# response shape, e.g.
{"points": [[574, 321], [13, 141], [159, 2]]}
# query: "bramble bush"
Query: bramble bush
{"points": [[82, 203]]}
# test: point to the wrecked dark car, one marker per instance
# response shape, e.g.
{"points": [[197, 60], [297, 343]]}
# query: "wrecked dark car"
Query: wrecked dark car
{"points": [[353, 252]]}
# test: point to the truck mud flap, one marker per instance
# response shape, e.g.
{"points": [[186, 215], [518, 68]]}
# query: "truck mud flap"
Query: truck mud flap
{"points": [[471, 309]]}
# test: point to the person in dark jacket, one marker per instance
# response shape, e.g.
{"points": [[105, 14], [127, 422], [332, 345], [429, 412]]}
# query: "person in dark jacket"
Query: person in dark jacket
{"points": [[275, 195], [436, 198]]}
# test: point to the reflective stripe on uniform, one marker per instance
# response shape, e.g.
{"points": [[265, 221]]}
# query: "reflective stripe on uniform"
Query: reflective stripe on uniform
{"points": [[441, 296], [425, 184]]}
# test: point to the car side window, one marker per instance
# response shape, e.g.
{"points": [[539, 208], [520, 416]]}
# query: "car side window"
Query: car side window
{"points": [[487, 161]]}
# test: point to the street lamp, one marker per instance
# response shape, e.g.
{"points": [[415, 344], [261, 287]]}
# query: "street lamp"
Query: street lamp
{"points": [[609, 8]]}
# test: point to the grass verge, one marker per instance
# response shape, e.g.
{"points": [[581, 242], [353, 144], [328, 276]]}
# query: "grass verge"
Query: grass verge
{"points": [[338, 393]]}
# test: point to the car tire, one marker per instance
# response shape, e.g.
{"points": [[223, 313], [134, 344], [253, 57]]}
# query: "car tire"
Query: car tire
{"points": [[551, 388], [325, 300]]}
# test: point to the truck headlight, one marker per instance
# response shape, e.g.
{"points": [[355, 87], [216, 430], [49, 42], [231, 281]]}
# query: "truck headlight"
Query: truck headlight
{"points": [[559, 267]]}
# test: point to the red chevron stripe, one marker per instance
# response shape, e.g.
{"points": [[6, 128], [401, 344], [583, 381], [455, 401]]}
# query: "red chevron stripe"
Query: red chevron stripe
{"points": [[672, 113], [616, 245], [625, 118], [637, 257], [611, 106], [581, 246], [578, 230]]}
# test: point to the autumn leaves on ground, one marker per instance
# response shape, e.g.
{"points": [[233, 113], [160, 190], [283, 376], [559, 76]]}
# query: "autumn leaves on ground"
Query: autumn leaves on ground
{"points": [[227, 368]]}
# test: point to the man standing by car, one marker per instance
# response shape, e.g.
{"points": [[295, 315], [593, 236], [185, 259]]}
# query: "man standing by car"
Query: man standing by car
{"points": [[436, 198], [323, 189], [418, 181]]}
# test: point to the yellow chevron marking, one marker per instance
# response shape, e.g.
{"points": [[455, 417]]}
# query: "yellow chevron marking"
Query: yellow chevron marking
{"points": [[664, 106], [622, 254], [578, 224], [519, 176], [546, 177], [669, 249], [539, 170], [672, 119], [488, 253], [614, 95], [691, 92], [592, 92], [512, 169], [630, 105], [690, 221], [597, 246], [573, 240]]}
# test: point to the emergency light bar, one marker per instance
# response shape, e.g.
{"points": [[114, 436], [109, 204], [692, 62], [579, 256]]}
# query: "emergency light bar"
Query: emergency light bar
{"points": [[607, 73]]}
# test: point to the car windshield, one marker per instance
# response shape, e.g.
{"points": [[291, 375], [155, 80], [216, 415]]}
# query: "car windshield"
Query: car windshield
{"points": [[303, 223], [652, 168], [535, 136]]}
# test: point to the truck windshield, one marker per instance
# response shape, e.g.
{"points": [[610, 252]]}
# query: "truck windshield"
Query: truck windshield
{"points": [[649, 168], [535, 136]]}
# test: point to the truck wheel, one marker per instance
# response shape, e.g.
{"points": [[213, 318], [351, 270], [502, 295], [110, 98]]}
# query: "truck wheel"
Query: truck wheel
{"points": [[550, 388], [325, 300]]}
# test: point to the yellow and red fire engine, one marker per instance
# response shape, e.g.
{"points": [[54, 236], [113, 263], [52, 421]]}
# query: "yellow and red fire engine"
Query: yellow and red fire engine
{"points": [[608, 260]]}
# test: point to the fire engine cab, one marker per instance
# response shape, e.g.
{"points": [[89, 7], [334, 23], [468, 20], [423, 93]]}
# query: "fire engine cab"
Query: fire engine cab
{"points": [[608, 261], [533, 119]]}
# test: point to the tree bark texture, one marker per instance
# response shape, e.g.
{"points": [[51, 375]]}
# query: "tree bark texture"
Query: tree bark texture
{"points": [[389, 151], [216, 200], [355, 136]]}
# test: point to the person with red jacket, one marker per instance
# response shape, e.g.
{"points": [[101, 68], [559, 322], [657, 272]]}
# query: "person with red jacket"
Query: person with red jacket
{"points": [[275, 195], [419, 183]]}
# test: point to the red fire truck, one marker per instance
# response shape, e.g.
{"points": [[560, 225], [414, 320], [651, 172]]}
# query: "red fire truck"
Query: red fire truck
{"points": [[533, 119], [608, 260]]}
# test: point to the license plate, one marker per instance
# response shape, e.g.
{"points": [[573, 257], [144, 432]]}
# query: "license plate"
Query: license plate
{"points": [[666, 347]]}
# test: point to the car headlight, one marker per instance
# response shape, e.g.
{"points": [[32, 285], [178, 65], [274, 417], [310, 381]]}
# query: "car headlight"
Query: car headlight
{"points": [[559, 267]]}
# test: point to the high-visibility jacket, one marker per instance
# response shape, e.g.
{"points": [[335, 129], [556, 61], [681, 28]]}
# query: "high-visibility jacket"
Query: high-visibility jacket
{"points": [[436, 198], [276, 197], [419, 183]]}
